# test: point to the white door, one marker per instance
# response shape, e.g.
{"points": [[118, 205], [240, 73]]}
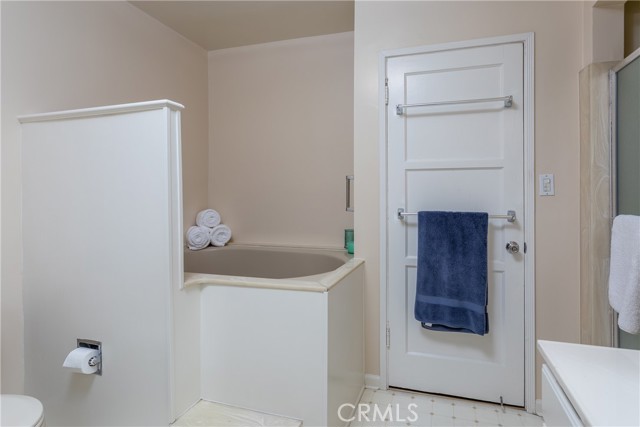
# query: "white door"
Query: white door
{"points": [[457, 157]]}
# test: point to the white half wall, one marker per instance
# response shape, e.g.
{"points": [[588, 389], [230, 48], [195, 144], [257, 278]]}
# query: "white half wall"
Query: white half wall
{"points": [[68, 55], [88, 171]]}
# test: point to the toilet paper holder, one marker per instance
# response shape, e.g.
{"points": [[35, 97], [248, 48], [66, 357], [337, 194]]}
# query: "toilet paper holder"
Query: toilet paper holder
{"points": [[95, 345]]}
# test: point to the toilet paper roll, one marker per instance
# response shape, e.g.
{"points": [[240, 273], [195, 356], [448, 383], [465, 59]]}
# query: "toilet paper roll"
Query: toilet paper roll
{"points": [[78, 360]]}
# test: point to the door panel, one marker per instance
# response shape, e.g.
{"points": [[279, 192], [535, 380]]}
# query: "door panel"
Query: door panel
{"points": [[461, 157]]}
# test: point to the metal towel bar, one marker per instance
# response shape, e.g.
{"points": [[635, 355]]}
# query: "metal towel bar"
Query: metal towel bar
{"points": [[508, 102], [510, 216]]}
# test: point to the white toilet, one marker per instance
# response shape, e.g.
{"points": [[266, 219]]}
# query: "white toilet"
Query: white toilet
{"points": [[24, 411]]}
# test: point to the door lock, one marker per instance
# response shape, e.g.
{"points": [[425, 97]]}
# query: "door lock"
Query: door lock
{"points": [[513, 247]]}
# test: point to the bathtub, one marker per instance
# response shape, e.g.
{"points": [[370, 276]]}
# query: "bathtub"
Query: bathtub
{"points": [[281, 329]]}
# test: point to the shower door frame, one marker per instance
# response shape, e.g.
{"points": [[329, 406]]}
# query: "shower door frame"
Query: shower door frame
{"points": [[613, 175], [527, 40]]}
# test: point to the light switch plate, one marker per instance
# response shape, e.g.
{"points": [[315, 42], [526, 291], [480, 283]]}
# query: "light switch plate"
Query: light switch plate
{"points": [[546, 185]]}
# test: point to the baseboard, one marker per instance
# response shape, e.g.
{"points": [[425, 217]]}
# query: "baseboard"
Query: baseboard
{"points": [[372, 381], [539, 407], [187, 410]]}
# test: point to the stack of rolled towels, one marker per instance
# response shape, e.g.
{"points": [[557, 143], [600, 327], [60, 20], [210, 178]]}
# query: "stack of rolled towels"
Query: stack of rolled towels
{"points": [[207, 231]]}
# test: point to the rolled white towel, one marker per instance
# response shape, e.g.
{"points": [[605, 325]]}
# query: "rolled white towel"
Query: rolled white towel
{"points": [[208, 218], [220, 235], [198, 237]]}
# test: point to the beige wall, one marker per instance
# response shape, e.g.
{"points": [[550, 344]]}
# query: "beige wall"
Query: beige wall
{"points": [[281, 132], [81, 54], [631, 26], [604, 31], [558, 56]]}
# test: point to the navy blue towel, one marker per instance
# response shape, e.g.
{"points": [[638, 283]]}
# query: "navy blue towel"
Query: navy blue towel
{"points": [[451, 290]]}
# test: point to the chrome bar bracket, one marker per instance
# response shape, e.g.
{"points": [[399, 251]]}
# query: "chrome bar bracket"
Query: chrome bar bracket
{"points": [[508, 102]]}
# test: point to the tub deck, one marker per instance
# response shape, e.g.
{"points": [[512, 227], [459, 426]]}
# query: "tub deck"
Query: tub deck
{"points": [[322, 282]]}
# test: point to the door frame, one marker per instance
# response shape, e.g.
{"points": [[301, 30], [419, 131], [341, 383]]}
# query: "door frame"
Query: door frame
{"points": [[527, 39]]}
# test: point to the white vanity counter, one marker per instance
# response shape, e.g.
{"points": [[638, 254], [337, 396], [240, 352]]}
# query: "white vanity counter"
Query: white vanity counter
{"points": [[602, 384]]}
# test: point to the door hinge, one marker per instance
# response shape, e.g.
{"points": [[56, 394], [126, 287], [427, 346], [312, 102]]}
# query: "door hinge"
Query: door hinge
{"points": [[386, 91], [388, 337], [525, 247]]}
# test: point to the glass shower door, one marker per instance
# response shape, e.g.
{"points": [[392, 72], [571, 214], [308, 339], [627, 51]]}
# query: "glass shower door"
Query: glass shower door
{"points": [[626, 127]]}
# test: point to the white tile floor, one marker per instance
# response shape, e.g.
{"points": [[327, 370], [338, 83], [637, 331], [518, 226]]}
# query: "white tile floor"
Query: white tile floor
{"points": [[211, 414], [432, 410], [429, 410]]}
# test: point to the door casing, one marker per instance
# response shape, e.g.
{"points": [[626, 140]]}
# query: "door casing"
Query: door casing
{"points": [[527, 39]]}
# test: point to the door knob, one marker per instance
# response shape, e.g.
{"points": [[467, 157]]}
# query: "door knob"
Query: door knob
{"points": [[513, 247]]}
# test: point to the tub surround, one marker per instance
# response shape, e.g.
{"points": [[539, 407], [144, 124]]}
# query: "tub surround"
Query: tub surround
{"points": [[298, 97], [302, 335]]}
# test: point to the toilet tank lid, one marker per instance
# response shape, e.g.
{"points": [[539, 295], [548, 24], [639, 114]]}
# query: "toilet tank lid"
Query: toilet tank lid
{"points": [[18, 410]]}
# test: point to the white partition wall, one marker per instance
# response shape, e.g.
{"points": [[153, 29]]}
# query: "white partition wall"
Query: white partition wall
{"points": [[102, 259]]}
